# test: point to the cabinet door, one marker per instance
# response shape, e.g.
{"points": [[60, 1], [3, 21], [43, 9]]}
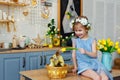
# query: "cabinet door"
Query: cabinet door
{"points": [[11, 65], [67, 57], [34, 60], [47, 55]]}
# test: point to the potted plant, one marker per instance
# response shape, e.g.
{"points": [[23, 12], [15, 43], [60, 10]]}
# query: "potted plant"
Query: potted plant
{"points": [[52, 31], [107, 47]]}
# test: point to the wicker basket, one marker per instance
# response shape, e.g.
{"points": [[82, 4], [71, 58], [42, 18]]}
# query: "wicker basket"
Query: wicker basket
{"points": [[57, 72]]}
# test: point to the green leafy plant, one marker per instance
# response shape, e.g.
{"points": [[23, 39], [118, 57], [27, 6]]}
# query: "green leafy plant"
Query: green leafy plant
{"points": [[66, 38], [52, 30]]}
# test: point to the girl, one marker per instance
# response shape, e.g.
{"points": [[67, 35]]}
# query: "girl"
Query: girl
{"points": [[85, 58]]}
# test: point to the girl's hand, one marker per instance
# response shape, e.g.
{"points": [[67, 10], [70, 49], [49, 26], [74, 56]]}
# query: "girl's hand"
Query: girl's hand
{"points": [[83, 51], [74, 70]]}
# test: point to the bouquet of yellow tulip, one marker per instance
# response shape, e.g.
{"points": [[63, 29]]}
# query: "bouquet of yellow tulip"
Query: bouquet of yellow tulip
{"points": [[68, 49], [108, 46]]}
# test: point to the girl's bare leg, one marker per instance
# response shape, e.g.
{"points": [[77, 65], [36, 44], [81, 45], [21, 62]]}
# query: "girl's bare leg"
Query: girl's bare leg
{"points": [[103, 76], [91, 74]]}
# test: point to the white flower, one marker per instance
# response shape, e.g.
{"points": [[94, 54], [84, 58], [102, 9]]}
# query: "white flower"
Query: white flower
{"points": [[60, 36], [66, 37], [71, 23], [52, 32], [89, 24], [54, 29], [49, 29], [72, 34], [77, 20], [83, 21]]}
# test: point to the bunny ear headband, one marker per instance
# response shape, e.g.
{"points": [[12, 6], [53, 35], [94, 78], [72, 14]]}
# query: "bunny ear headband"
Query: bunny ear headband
{"points": [[83, 21]]}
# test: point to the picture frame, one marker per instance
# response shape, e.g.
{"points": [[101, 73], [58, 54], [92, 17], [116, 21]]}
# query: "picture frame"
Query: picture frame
{"points": [[62, 7]]}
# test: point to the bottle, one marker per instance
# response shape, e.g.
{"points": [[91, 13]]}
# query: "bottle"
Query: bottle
{"points": [[14, 42]]}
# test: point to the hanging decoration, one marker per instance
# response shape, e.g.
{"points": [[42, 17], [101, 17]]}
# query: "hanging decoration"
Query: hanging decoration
{"points": [[25, 12], [34, 3], [70, 14], [45, 12]]}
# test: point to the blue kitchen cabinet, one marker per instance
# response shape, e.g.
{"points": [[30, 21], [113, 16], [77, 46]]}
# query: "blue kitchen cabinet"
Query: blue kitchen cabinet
{"points": [[67, 55], [37, 60], [34, 60], [11, 65]]}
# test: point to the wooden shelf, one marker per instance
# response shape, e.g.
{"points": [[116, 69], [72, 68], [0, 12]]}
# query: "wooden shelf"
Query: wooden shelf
{"points": [[5, 21], [13, 3]]}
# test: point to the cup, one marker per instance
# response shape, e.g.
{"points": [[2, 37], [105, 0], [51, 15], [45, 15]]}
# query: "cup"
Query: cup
{"points": [[6, 45], [22, 44]]}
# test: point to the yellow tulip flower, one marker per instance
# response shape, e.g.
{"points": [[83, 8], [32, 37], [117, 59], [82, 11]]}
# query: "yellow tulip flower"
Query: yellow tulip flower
{"points": [[117, 43], [63, 49], [118, 51], [105, 48], [99, 41], [117, 46], [111, 43], [101, 46], [103, 42], [98, 48], [108, 40]]}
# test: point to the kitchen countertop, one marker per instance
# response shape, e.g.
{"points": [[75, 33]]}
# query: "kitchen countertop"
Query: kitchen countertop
{"points": [[42, 74], [2, 51]]}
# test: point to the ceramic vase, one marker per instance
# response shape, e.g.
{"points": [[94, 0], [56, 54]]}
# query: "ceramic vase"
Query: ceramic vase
{"points": [[107, 60]]}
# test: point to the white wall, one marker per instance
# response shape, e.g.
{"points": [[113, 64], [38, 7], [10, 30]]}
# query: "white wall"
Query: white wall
{"points": [[105, 18]]}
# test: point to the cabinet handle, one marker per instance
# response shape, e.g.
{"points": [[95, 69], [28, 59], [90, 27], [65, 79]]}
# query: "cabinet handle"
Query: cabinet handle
{"points": [[67, 60], [44, 60], [41, 60], [23, 62]]}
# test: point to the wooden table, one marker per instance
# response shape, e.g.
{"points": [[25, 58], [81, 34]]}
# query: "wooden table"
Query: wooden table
{"points": [[41, 74]]}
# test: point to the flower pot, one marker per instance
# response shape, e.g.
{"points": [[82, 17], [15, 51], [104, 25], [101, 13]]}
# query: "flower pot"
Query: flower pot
{"points": [[107, 60]]}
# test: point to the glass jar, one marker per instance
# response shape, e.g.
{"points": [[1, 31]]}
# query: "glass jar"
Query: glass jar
{"points": [[50, 45]]}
